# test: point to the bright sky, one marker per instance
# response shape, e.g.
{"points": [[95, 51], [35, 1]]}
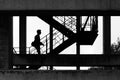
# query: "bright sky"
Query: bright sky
{"points": [[115, 28], [34, 23]]}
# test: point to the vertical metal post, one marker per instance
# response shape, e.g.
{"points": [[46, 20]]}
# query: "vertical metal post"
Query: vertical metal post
{"points": [[51, 43], [106, 34], [29, 50], [51, 38], [96, 18], [90, 23], [46, 45], [22, 36], [78, 25], [10, 33], [64, 25]]}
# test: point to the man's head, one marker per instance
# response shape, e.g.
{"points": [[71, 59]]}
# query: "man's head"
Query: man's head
{"points": [[39, 31]]}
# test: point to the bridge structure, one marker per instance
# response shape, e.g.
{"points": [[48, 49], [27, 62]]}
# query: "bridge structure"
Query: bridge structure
{"points": [[64, 18], [66, 28], [64, 31]]}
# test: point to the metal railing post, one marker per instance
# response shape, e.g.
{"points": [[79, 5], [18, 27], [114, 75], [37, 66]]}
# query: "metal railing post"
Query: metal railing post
{"points": [[51, 43], [46, 45], [29, 50]]}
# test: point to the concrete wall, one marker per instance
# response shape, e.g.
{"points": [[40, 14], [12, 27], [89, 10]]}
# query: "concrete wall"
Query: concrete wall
{"points": [[59, 4], [59, 75]]}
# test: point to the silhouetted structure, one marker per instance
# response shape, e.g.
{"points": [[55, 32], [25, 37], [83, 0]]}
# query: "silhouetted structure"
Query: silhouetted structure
{"points": [[52, 47], [64, 31], [23, 8]]}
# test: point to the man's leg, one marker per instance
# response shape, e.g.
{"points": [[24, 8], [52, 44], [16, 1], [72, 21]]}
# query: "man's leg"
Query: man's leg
{"points": [[35, 66], [38, 50]]}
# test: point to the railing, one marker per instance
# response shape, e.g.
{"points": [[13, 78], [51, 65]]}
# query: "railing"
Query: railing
{"points": [[70, 22], [67, 21], [58, 38], [16, 50], [88, 22]]}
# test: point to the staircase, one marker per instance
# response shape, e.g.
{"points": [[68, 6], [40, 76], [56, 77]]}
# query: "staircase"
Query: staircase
{"points": [[58, 39], [67, 24], [64, 35]]}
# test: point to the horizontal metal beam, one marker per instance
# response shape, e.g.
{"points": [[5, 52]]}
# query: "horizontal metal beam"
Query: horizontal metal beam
{"points": [[66, 60], [60, 12]]}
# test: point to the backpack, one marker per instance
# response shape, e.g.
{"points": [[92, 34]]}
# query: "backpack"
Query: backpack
{"points": [[33, 44]]}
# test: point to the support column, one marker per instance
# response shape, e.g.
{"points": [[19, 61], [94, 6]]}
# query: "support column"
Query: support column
{"points": [[51, 38], [10, 43], [22, 36], [78, 20], [6, 42], [51, 43], [106, 35]]}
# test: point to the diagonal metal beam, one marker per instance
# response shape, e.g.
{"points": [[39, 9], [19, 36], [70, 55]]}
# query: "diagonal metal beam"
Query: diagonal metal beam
{"points": [[72, 37], [63, 46], [61, 28], [85, 24]]}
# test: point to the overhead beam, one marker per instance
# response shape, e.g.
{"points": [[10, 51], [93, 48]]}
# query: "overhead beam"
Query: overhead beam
{"points": [[60, 12], [58, 4], [67, 60]]}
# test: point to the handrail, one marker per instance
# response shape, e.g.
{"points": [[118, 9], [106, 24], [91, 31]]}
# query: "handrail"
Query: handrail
{"points": [[64, 22], [14, 51], [46, 35], [68, 24], [43, 39], [44, 42]]}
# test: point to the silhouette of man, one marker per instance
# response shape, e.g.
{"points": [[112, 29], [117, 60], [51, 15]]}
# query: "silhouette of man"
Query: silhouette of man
{"points": [[37, 42]]}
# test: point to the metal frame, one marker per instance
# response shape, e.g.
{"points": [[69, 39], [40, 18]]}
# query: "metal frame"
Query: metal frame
{"points": [[97, 60]]}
